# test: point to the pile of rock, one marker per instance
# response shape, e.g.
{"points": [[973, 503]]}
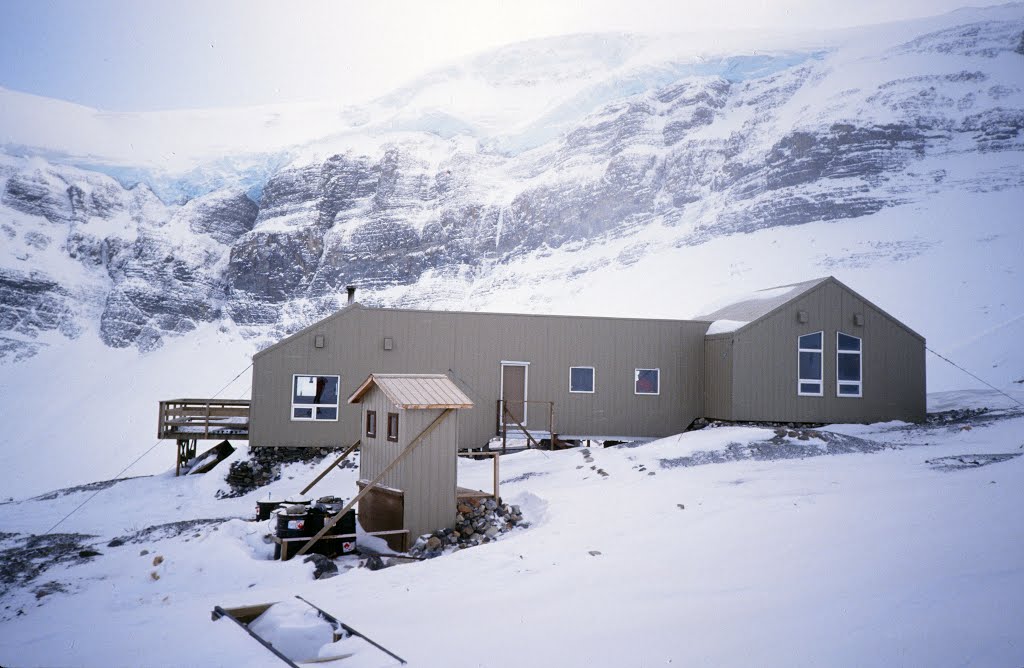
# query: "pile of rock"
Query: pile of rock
{"points": [[478, 521], [263, 466]]}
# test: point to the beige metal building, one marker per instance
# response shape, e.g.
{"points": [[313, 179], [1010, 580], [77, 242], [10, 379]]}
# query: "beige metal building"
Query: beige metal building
{"points": [[629, 377], [810, 352]]}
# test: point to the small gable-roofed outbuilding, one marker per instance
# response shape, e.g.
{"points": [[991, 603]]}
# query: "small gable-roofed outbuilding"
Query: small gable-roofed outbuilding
{"points": [[410, 433]]}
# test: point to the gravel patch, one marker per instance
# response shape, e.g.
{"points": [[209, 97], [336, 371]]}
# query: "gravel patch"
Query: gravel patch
{"points": [[786, 444], [962, 462]]}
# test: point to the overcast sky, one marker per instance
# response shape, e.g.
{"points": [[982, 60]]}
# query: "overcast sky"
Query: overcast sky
{"points": [[144, 54]]}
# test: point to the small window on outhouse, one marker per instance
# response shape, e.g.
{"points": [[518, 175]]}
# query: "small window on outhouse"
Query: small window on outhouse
{"points": [[808, 376], [848, 366], [393, 426], [315, 397], [371, 424], [581, 379], [647, 381]]}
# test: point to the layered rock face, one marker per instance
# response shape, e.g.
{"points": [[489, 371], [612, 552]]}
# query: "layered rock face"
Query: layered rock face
{"points": [[81, 251], [705, 155]]}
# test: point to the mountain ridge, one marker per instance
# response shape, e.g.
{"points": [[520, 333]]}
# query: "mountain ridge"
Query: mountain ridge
{"points": [[657, 159]]}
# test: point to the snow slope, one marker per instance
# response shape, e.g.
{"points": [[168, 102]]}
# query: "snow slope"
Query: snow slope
{"points": [[847, 560], [83, 411]]}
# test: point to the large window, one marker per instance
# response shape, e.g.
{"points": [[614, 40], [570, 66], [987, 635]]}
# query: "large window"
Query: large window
{"points": [[581, 379], [647, 381], [315, 397], [809, 355], [848, 366]]}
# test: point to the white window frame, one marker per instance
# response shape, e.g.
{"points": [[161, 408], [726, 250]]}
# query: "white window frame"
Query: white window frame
{"points": [[313, 418], [636, 374], [821, 367], [593, 380], [860, 367]]}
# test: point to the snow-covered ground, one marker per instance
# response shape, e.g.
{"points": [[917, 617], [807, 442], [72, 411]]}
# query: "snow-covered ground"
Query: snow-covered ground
{"points": [[868, 558]]}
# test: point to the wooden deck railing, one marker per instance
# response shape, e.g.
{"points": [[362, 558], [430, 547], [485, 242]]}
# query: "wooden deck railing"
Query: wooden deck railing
{"points": [[204, 419], [507, 418]]}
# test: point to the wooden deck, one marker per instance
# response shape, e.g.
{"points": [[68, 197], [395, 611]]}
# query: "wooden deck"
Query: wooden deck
{"points": [[466, 493], [204, 419]]}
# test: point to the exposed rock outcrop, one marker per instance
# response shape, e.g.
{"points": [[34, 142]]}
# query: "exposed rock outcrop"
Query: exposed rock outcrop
{"points": [[708, 152]]}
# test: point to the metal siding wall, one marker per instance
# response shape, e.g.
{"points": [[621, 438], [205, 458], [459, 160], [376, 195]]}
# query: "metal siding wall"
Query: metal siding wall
{"points": [[270, 420], [765, 359], [471, 348], [375, 454], [718, 366], [429, 474]]}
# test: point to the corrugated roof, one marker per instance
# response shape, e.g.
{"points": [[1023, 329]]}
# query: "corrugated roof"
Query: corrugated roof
{"points": [[759, 304], [415, 390]]}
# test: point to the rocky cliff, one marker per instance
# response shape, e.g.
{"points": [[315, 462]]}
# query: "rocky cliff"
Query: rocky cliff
{"points": [[822, 134]]}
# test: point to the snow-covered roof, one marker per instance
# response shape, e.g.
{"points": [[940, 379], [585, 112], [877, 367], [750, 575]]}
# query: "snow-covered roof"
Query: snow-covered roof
{"points": [[415, 390], [758, 304], [725, 326]]}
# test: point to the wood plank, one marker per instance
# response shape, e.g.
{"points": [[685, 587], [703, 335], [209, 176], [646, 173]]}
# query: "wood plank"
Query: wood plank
{"points": [[346, 536], [247, 613], [521, 427], [216, 436], [381, 489], [330, 468], [226, 411], [212, 402], [464, 493], [201, 422]]}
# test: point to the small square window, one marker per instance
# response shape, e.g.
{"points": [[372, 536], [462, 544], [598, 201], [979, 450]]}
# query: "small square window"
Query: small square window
{"points": [[326, 413], [393, 427], [647, 381], [581, 379], [371, 424]]}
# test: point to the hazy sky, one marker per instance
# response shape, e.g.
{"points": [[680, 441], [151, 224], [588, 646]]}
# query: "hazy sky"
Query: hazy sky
{"points": [[144, 54]]}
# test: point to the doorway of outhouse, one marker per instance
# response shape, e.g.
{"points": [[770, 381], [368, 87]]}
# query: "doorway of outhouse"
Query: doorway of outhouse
{"points": [[514, 377]]}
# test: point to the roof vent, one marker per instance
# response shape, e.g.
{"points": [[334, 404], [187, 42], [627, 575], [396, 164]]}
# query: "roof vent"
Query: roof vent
{"points": [[351, 290]]}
